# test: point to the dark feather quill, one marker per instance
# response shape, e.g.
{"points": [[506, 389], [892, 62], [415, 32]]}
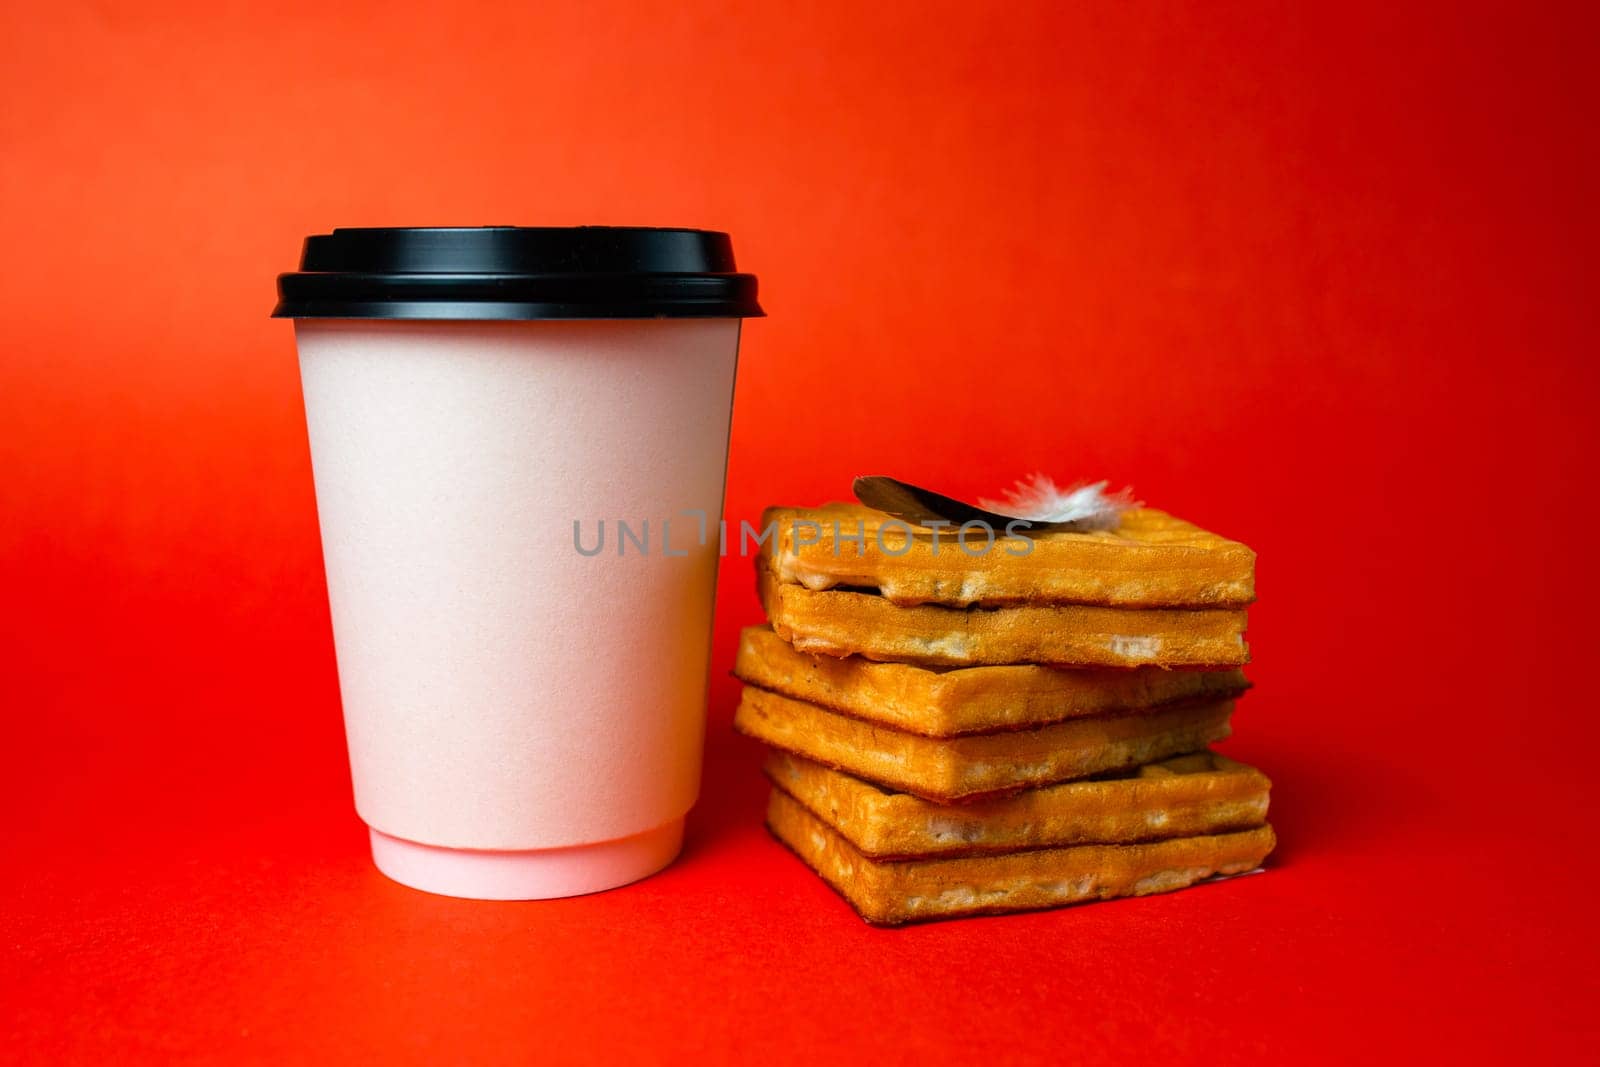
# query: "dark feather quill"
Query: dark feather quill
{"points": [[922, 507]]}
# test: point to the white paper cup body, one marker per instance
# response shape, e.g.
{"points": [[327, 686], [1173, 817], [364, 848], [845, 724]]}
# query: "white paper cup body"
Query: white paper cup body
{"points": [[525, 714]]}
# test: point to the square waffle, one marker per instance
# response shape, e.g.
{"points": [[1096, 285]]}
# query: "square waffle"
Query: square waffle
{"points": [[1151, 560], [894, 892], [949, 769], [841, 622], [969, 700], [1201, 793]]}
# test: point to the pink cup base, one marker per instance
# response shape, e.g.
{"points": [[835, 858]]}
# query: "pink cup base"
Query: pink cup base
{"points": [[535, 874]]}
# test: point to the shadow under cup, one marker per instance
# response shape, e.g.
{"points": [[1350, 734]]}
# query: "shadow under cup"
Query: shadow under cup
{"points": [[519, 457]]}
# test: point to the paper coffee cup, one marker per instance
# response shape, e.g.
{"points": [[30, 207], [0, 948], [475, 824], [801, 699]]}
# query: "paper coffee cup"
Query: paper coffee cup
{"points": [[519, 445]]}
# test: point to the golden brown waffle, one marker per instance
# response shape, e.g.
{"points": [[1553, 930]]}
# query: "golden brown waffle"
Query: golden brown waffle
{"points": [[838, 622], [968, 700], [947, 769], [1150, 560], [890, 893], [1202, 793]]}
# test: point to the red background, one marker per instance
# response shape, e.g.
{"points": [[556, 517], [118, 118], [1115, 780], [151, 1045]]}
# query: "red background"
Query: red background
{"points": [[1312, 280]]}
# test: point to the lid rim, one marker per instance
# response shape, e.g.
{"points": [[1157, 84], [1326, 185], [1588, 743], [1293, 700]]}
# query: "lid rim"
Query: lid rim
{"points": [[500, 272]]}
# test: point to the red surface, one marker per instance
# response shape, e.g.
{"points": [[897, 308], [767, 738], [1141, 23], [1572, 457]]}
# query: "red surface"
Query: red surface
{"points": [[1318, 281]]}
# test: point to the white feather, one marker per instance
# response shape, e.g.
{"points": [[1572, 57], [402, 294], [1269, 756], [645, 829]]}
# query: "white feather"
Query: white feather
{"points": [[1037, 498]]}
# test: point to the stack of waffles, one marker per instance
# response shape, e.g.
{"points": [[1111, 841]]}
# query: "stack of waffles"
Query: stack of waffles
{"points": [[1001, 724]]}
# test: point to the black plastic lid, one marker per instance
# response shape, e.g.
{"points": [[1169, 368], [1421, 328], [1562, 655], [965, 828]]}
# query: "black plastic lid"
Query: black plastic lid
{"points": [[517, 272]]}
